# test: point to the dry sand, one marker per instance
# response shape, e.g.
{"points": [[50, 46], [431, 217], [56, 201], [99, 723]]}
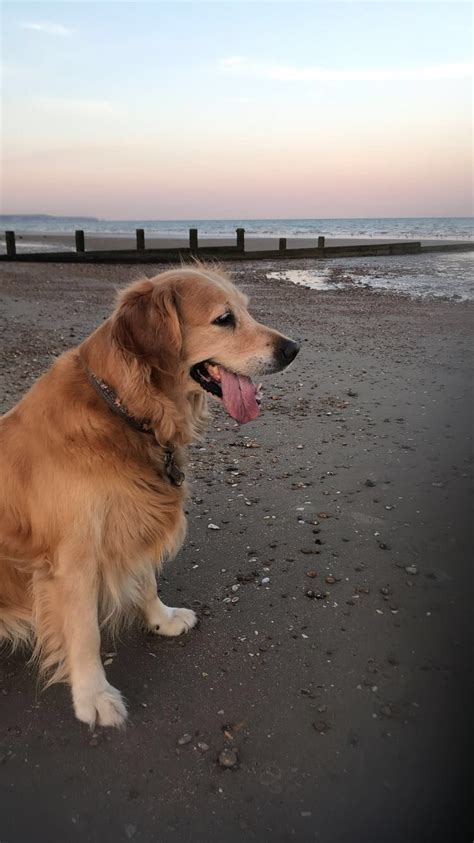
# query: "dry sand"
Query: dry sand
{"points": [[344, 694]]}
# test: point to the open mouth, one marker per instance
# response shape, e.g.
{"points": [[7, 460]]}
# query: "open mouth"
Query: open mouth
{"points": [[239, 395]]}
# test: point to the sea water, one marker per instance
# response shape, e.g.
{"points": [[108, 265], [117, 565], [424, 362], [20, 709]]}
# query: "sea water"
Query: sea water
{"points": [[389, 228]]}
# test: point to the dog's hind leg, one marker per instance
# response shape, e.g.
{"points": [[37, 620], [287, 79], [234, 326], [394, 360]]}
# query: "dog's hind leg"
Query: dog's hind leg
{"points": [[69, 639], [161, 619]]}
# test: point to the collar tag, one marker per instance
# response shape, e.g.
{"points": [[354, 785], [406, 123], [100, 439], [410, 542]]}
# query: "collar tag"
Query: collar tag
{"points": [[173, 472]]}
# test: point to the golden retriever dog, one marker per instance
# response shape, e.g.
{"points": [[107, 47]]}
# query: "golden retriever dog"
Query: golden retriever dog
{"points": [[93, 465]]}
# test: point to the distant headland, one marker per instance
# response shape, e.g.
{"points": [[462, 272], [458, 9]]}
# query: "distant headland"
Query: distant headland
{"points": [[44, 218]]}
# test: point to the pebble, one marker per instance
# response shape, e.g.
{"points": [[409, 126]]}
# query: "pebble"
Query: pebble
{"points": [[318, 595], [330, 580], [311, 574], [228, 758], [213, 527], [203, 746], [184, 739], [411, 569]]}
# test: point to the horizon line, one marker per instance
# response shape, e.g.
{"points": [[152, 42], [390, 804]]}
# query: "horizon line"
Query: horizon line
{"points": [[233, 219]]}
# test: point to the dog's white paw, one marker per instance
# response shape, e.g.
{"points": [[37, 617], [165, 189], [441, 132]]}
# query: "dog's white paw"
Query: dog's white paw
{"points": [[175, 622], [103, 707]]}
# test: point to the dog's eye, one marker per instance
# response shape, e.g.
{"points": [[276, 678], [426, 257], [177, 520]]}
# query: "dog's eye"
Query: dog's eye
{"points": [[226, 319]]}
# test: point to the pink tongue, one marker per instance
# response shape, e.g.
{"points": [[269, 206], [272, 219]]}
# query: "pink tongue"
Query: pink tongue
{"points": [[238, 396]]}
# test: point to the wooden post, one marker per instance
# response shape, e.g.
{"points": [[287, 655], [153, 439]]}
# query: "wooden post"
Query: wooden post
{"points": [[282, 244], [140, 233], [321, 241], [193, 239], [241, 239], [10, 243], [80, 244]]}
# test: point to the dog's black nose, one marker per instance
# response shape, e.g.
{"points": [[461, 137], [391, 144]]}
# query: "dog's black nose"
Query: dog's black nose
{"points": [[288, 349]]}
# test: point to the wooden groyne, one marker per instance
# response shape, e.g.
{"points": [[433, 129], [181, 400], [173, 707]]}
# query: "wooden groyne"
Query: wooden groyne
{"points": [[142, 254]]}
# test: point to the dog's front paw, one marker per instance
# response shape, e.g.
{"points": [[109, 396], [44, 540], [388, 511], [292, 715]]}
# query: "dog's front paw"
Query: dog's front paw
{"points": [[175, 622], [103, 707]]}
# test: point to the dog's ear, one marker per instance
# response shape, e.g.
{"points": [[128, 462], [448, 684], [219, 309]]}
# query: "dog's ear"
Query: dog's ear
{"points": [[146, 324]]}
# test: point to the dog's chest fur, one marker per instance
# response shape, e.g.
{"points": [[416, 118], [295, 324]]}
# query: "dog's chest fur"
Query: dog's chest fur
{"points": [[142, 515]]}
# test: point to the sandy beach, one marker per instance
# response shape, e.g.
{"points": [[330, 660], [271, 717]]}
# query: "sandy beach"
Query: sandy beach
{"points": [[333, 651]]}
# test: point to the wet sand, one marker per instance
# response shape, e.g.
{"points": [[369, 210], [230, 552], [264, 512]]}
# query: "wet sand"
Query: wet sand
{"points": [[339, 677]]}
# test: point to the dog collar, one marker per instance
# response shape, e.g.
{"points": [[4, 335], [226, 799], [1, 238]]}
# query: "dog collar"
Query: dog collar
{"points": [[172, 470], [113, 403]]}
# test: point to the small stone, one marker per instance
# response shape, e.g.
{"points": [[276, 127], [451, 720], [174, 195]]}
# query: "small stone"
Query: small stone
{"points": [[228, 758], [411, 569], [370, 483], [203, 747], [307, 693], [311, 574], [184, 739], [330, 580], [213, 527], [318, 595]]}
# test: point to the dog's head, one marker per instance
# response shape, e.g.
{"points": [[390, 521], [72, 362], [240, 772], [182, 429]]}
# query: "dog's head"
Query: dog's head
{"points": [[193, 326]]}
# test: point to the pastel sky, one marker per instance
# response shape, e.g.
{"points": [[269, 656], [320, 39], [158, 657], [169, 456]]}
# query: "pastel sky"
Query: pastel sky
{"points": [[179, 110]]}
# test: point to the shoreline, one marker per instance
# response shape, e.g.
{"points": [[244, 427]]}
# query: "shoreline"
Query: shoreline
{"points": [[105, 241]]}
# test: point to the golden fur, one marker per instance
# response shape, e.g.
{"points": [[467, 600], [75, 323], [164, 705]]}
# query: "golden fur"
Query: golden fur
{"points": [[87, 514]]}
